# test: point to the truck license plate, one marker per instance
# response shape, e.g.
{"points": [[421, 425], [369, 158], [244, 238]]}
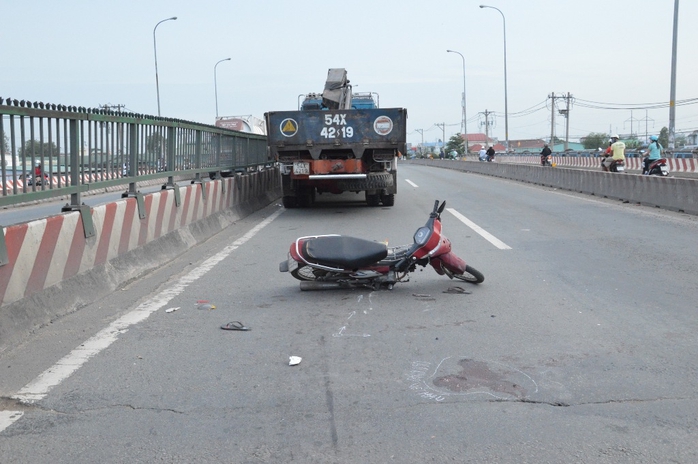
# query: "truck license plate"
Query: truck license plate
{"points": [[300, 167]]}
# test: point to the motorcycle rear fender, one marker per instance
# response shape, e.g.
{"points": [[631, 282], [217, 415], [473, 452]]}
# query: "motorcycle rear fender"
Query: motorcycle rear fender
{"points": [[295, 247]]}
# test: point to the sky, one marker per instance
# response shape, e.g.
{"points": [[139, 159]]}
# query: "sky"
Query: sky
{"points": [[614, 53]]}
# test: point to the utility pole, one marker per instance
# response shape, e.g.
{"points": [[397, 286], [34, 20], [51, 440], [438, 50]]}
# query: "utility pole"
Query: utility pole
{"points": [[647, 121], [566, 113], [487, 125], [421, 147], [632, 119], [567, 122], [552, 121], [443, 137]]}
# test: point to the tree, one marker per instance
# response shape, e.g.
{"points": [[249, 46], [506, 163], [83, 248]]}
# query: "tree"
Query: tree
{"points": [[664, 137], [155, 144], [5, 143], [456, 143], [632, 142], [595, 140], [38, 149]]}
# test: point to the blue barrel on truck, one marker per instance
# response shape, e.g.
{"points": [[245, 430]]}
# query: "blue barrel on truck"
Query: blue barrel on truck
{"points": [[335, 150]]}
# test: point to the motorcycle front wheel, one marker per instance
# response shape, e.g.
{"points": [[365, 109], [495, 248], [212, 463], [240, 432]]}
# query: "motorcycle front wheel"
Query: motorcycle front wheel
{"points": [[471, 275]]}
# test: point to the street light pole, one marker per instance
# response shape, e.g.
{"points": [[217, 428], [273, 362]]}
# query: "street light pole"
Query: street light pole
{"points": [[465, 127], [506, 106], [215, 82], [672, 96], [155, 48]]}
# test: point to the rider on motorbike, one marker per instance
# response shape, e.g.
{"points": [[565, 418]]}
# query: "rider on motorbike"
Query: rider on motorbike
{"points": [[544, 160], [654, 153], [616, 152]]}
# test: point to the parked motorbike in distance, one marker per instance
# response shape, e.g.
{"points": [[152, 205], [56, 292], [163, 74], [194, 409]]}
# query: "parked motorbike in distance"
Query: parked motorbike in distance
{"points": [[658, 167], [335, 261], [616, 165]]}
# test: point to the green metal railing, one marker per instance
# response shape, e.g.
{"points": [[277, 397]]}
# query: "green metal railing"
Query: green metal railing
{"points": [[74, 150]]}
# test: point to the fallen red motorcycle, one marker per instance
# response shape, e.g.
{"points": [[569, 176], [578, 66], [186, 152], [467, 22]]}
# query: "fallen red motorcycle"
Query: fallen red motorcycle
{"points": [[336, 261]]}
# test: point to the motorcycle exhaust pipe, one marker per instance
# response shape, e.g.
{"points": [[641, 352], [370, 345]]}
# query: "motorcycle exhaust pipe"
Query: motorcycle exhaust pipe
{"points": [[307, 286]]}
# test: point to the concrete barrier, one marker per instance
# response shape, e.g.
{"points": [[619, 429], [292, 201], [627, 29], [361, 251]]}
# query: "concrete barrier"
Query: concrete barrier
{"points": [[676, 194], [54, 270]]}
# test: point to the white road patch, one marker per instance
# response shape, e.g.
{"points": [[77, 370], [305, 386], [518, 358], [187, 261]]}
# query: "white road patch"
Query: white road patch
{"points": [[411, 183], [8, 418], [486, 235], [38, 388]]}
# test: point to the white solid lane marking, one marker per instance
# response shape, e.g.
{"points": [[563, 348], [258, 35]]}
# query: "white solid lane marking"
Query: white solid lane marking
{"points": [[8, 418], [486, 235], [38, 388], [411, 183]]}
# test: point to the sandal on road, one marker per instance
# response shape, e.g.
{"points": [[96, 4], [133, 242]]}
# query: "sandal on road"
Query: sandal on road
{"points": [[235, 325]]}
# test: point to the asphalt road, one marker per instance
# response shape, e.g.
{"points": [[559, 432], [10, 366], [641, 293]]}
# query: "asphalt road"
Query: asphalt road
{"points": [[580, 345]]}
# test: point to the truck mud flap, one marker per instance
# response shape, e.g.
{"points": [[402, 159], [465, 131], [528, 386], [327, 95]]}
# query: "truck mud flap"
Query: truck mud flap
{"points": [[373, 181]]}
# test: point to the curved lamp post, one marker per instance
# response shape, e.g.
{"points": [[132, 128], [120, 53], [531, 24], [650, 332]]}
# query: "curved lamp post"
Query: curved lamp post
{"points": [[506, 107], [215, 82], [155, 48], [465, 127]]}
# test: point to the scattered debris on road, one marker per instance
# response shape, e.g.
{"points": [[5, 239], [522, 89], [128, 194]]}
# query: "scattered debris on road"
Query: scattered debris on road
{"points": [[235, 325], [457, 290]]}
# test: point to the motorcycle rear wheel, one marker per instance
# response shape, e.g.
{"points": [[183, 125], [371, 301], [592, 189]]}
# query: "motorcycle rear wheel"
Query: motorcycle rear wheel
{"points": [[471, 275]]}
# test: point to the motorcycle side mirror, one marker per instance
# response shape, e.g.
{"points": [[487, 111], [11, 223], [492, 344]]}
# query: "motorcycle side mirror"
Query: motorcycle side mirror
{"points": [[441, 208]]}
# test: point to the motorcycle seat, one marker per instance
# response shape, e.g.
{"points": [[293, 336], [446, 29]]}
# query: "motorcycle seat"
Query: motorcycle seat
{"points": [[344, 252]]}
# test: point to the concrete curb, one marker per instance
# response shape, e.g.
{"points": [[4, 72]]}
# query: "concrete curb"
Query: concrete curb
{"points": [[54, 270], [676, 194]]}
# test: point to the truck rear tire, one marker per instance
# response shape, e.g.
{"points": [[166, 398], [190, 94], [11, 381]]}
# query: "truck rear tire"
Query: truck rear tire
{"points": [[289, 201], [388, 199], [373, 181], [373, 199]]}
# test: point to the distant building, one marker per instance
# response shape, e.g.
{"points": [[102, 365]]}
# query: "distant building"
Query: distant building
{"points": [[526, 145], [477, 141], [571, 146], [692, 138]]}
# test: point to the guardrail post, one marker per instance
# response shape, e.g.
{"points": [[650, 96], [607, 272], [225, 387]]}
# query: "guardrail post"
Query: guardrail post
{"points": [[132, 171], [197, 154], [171, 134], [75, 157]]}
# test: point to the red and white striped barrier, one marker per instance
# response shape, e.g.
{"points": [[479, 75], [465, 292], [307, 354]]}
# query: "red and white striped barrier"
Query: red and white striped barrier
{"points": [[675, 164], [48, 251]]}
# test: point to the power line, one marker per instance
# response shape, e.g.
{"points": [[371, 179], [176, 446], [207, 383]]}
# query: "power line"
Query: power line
{"points": [[631, 106]]}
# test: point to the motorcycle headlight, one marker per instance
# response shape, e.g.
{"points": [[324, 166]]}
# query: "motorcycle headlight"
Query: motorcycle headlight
{"points": [[422, 235]]}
